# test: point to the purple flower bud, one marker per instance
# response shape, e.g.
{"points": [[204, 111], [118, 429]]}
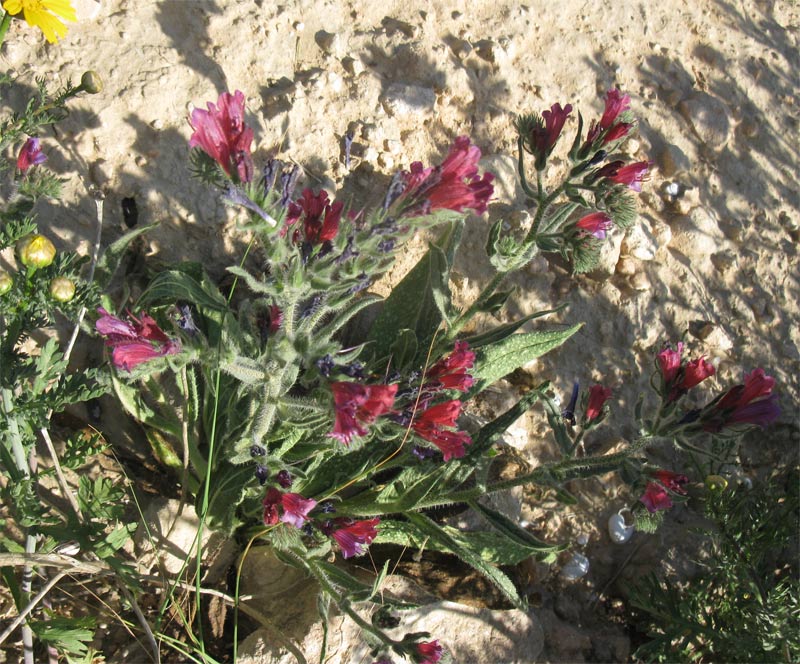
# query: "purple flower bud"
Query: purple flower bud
{"points": [[257, 450], [284, 478], [262, 473], [325, 365]]}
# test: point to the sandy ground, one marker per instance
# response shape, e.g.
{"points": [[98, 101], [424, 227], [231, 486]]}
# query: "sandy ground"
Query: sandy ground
{"points": [[714, 84]]}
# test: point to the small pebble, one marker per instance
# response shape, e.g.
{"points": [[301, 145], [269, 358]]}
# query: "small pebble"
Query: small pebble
{"points": [[640, 281]]}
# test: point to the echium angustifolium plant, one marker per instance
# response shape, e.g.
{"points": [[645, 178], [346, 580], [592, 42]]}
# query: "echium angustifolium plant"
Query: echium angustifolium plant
{"points": [[330, 441], [38, 285]]}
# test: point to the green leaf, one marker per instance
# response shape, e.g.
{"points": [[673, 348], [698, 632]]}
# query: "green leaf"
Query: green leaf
{"points": [[108, 263], [172, 285], [510, 530], [469, 553], [500, 359], [502, 331], [72, 636], [421, 300], [404, 349], [496, 301]]}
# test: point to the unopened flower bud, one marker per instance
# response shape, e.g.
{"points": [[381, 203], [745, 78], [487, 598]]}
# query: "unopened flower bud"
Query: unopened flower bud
{"points": [[91, 82], [716, 483], [36, 251], [62, 289], [6, 282]]}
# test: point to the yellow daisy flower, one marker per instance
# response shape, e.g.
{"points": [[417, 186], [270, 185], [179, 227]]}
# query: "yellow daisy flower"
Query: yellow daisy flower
{"points": [[43, 14]]}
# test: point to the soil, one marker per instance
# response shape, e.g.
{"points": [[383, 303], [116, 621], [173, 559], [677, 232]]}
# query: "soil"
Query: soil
{"points": [[713, 84]]}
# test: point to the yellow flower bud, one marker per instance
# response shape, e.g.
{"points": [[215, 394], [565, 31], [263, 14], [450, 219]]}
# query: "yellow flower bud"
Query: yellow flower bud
{"points": [[716, 483], [62, 289], [6, 282], [91, 82], [36, 251]]}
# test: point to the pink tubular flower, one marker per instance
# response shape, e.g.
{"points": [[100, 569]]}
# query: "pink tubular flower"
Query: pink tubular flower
{"points": [[296, 509], [450, 372], [355, 537], [30, 155], [655, 498], [429, 652], [616, 105], [544, 139], [632, 175], [750, 403], [222, 134], [134, 342], [455, 185], [357, 405], [320, 217], [598, 395], [431, 424], [596, 223], [695, 372], [670, 362]]}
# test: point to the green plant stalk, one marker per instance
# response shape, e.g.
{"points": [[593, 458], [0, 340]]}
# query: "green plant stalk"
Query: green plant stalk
{"points": [[207, 483], [18, 450], [484, 295], [344, 603], [4, 24]]}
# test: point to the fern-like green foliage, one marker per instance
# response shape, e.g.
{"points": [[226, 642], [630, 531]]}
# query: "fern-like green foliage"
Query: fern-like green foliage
{"points": [[745, 606]]}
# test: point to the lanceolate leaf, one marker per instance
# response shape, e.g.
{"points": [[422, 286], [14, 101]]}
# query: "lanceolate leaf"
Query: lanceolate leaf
{"points": [[502, 331], [500, 359], [178, 285], [467, 553], [421, 300], [521, 537]]}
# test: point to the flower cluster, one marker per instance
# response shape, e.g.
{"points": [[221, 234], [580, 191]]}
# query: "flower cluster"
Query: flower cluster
{"points": [[749, 403], [222, 134], [134, 341], [454, 185], [357, 406], [679, 377], [433, 423]]}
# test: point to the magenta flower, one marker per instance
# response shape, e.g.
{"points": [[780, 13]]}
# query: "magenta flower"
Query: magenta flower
{"points": [[296, 509], [320, 217], [632, 175], [544, 138], [222, 134], [750, 403], [30, 155], [596, 223], [616, 105], [695, 372], [617, 131], [455, 185], [358, 405], [271, 501], [356, 536], [655, 498], [678, 377], [450, 372], [431, 424], [429, 652], [672, 481], [598, 395], [134, 342], [670, 362]]}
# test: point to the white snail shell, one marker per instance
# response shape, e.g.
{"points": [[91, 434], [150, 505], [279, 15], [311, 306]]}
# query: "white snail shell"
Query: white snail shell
{"points": [[577, 567], [619, 531]]}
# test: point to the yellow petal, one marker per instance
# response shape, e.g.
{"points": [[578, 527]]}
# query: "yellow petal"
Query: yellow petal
{"points": [[47, 23], [62, 8], [13, 6]]}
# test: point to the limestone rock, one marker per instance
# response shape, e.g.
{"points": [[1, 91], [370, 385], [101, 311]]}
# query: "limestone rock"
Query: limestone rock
{"points": [[639, 242], [477, 636], [697, 236], [671, 161], [609, 257], [405, 100], [708, 116], [172, 535]]}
